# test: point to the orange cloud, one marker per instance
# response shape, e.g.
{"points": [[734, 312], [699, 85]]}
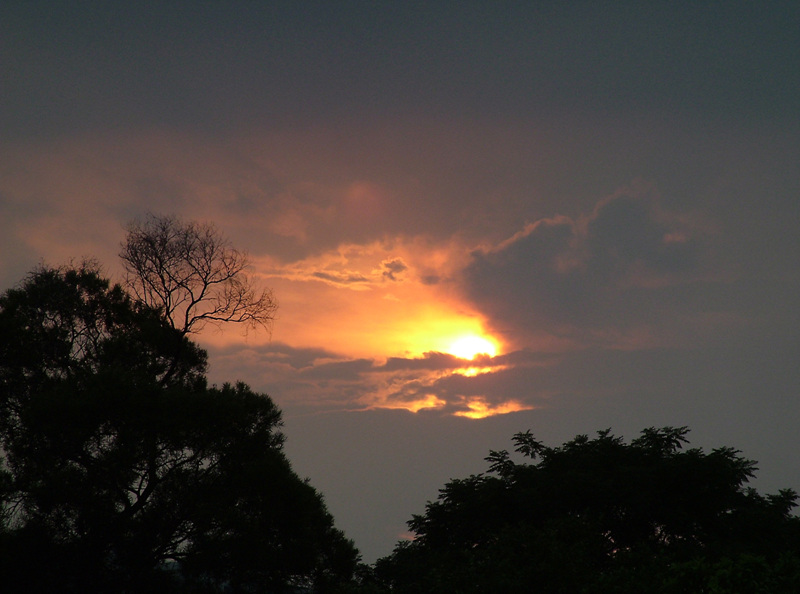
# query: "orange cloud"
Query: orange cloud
{"points": [[399, 335], [429, 401], [480, 408], [372, 300]]}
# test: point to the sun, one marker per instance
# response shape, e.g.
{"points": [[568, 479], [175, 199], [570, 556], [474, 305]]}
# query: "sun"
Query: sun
{"points": [[472, 345]]}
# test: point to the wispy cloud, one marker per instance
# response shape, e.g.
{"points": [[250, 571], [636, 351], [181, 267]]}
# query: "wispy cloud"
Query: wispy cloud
{"points": [[340, 278]]}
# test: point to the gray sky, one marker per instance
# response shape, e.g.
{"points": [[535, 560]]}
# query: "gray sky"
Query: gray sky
{"points": [[608, 194]]}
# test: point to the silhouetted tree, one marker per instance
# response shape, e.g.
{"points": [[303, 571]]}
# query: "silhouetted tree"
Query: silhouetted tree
{"points": [[122, 471], [193, 274], [601, 515]]}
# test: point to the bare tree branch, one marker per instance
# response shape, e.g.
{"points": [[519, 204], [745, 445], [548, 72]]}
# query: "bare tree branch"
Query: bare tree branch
{"points": [[192, 273]]}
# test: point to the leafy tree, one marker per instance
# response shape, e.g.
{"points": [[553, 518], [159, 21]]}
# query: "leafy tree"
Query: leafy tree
{"points": [[602, 515], [193, 274], [123, 471]]}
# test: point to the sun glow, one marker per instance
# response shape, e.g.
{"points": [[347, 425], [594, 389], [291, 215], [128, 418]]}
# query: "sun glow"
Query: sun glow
{"points": [[429, 401], [476, 371], [472, 345]]}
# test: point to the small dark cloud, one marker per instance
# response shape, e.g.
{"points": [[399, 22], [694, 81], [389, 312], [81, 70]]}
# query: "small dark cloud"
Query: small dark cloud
{"points": [[296, 358], [338, 370], [430, 361], [341, 278], [409, 392], [393, 268]]}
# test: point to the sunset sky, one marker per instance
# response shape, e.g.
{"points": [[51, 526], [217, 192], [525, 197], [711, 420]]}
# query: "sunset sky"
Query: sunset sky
{"points": [[477, 217]]}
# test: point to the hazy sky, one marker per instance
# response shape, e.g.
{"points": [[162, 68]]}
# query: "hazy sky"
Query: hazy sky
{"points": [[606, 194]]}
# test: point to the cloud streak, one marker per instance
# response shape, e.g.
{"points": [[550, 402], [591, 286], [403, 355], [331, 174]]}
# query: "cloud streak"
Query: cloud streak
{"points": [[325, 381]]}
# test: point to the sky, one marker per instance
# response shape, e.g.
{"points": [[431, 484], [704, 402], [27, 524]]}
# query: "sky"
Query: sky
{"points": [[477, 218]]}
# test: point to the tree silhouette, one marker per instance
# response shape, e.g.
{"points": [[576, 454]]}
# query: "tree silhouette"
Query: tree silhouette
{"points": [[122, 471], [193, 274], [603, 515]]}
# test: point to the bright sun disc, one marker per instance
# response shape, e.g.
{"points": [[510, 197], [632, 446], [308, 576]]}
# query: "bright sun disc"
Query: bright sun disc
{"points": [[468, 347]]}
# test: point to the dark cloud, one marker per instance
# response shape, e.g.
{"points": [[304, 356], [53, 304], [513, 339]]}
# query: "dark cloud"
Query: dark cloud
{"points": [[341, 278], [431, 361], [351, 370], [292, 376], [599, 272], [330, 381], [393, 268], [272, 353], [430, 279], [625, 229]]}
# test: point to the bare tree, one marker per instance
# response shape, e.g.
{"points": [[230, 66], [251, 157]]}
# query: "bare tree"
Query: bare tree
{"points": [[192, 273]]}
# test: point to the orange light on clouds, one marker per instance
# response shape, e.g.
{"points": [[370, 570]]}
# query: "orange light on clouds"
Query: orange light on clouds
{"points": [[480, 409], [360, 306], [378, 302], [476, 371], [428, 402], [470, 346]]}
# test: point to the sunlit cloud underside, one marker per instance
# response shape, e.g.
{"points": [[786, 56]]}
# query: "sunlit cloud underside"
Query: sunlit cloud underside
{"points": [[395, 330], [431, 390]]}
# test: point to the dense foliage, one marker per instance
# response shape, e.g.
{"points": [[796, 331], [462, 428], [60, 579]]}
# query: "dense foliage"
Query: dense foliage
{"points": [[602, 515], [123, 471]]}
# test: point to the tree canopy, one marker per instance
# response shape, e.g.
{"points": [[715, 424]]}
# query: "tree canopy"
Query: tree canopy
{"points": [[602, 515], [123, 471]]}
